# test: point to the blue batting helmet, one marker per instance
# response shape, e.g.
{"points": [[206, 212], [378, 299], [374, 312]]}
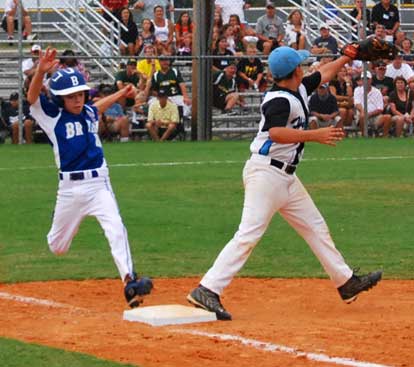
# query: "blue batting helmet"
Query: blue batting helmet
{"points": [[64, 82]]}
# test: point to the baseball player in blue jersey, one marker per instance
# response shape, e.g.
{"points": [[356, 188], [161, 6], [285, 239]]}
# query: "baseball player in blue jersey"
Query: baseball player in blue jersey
{"points": [[84, 185], [271, 184]]}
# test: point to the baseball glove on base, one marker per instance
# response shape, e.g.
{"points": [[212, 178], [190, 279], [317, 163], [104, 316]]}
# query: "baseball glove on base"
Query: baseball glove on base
{"points": [[370, 49]]}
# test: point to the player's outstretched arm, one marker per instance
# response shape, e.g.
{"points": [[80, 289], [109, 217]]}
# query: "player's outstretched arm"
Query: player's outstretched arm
{"points": [[330, 70], [47, 62], [103, 104], [328, 135]]}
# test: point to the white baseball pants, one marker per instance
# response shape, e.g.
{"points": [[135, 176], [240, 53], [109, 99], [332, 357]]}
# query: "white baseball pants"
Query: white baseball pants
{"points": [[90, 197], [269, 190]]}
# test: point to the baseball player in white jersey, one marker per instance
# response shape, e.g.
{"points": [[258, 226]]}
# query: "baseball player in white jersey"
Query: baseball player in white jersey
{"points": [[271, 184], [84, 185]]}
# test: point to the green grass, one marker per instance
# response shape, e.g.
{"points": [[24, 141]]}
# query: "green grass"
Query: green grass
{"points": [[18, 354], [179, 217]]}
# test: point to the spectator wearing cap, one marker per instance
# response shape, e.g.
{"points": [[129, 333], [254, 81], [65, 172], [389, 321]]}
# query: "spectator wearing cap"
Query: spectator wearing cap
{"points": [[170, 79], [269, 30], [10, 112], [388, 15], [29, 65], [323, 109], [10, 22], [379, 80], [69, 60], [225, 95], [125, 77], [398, 67], [163, 117], [129, 38], [401, 106], [326, 43], [375, 107], [113, 120]]}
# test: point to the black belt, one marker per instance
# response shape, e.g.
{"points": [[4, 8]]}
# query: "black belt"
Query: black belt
{"points": [[76, 176], [289, 169]]}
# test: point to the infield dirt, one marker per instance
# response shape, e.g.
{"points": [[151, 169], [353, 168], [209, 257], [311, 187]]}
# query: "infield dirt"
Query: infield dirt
{"points": [[306, 314]]}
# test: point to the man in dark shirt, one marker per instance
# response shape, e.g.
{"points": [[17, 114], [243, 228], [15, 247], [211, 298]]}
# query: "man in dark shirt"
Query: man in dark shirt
{"points": [[384, 83], [125, 77], [326, 43], [323, 108], [388, 15], [225, 96]]}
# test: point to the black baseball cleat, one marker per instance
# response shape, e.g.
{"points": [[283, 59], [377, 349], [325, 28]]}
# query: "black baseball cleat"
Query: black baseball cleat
{"points": [[210, 301], [135, 290], [357, 284]]}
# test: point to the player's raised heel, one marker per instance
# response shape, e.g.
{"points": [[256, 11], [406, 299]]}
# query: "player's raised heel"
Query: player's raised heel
{"points": [[357, 284], [136, 289], [208, 300]]}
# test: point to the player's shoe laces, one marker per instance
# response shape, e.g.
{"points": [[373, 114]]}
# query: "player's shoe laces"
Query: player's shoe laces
{"points": [[210, 301], [135, 290], [357, 284]]}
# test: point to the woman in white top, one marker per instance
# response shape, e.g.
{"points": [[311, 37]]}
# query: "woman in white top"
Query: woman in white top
{"points": [[296, 30], [163, 31]]}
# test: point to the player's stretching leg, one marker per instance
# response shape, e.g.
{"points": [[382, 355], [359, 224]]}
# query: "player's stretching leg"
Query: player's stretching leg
{"points": [[271, 184], [84, 184]]}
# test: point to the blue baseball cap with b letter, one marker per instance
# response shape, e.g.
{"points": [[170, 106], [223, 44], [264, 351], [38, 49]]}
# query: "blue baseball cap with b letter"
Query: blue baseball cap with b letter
{"points": [[283, 60]]}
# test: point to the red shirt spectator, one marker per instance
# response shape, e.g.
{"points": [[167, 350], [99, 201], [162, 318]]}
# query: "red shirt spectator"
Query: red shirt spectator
{"points": [[114, 5]]}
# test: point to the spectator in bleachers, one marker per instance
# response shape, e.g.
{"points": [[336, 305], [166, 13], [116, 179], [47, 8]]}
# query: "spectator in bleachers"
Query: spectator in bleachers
{"points": [[234, 43], [296, 30], [140, 110], [148, 66], [398, 67], [326, 43], [269, 30], [125, 77], [29, 65], [114, 7], [228, 7], [183, 27], [407, 52], [379, 80], [242, 31], [69, 60], [187, 46], [356, 13], [9, 22], [388, 15], [225, 95], [250, 72], [323, 108], [163, 117], [145, 8], [146, 36], [170, 80], [113, 120], [375, 106], [10, 113], [129, 37], [163, 31], [218, 23], [400, 36], [341, 88], [219, 63], [379, 32], [401, 103]]}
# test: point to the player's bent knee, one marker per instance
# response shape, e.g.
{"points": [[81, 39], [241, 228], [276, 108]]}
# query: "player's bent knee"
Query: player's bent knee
{"points": [[58, 246]]}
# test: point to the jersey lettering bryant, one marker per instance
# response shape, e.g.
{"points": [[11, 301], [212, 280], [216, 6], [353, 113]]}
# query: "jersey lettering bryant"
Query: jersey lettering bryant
{"points": [[75, 140], [284, 108]]}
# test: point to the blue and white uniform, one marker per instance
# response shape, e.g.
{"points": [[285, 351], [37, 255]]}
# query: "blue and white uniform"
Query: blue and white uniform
{"points": [[272, 186], [84, 185]]}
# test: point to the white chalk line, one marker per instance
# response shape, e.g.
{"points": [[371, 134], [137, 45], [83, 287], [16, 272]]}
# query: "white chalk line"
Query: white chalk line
{"points": [[216, 162], [256, 344]]}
